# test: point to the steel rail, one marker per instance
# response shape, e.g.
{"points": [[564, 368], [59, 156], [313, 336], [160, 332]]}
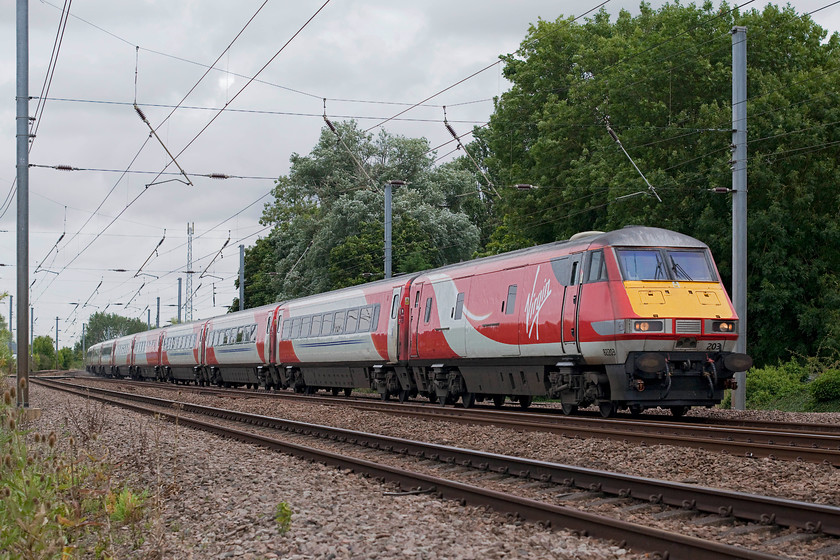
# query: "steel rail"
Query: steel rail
{"points": [[616, 431], [660, 543], [763, 509], [808, 429], [788, 446]]}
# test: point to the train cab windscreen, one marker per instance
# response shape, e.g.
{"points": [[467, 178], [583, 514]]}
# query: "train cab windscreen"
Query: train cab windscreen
{"points": [[665, 264]]}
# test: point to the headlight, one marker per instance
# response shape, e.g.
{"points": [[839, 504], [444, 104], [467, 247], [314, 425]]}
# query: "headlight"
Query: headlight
{"points": [[725, 327], [647, 325]]}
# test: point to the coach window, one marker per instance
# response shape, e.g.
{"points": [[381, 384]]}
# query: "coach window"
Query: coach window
{"points": [[338, 326], [459, 306], [287, 328], [428, 314], [510, 304], [316, 326], [305, 326], [295, 328], [364, 319], [596, 268], [327, 324], [352, 320]]}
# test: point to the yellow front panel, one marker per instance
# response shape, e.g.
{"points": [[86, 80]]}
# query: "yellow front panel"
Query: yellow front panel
{"points": [[701, 300]]}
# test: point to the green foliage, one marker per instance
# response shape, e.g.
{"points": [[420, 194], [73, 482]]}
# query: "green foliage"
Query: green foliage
{"points": [[283, 517], [105, 326], [664, 79], [826, 387], [7, 361], [328, 216], [43, 353], [125, 506], [259, 274], [28, 500], [66, 358], [775, 387]]}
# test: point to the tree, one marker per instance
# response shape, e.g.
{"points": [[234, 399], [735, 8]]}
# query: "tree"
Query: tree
{"points": [[328, 216], [662, 81], [7, 360], [66, 358], [43, 353], [106, 326]]}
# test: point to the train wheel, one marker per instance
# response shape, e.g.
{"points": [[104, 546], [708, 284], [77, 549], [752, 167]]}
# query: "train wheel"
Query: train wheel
{"points": [[607, 409], [335, 391], [569, 408], [403, 395], [468, 400], [498, 401], [524, 401], [679, 411], [348, 391], [442, 400], [385, 396], [636, 410]]}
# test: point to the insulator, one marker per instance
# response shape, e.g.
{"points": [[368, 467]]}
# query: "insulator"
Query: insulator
{"points": [[451, 131], [140, 112], [64, 168], [219, 176], [329, 124]]}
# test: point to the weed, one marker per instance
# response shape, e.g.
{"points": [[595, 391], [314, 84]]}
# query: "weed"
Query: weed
{"points": [[283, 517], [87, 421], [125, 506]]}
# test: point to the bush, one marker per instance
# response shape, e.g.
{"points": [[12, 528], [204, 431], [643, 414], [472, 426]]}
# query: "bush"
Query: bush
{"points": [[777, 387], [826, 387]]}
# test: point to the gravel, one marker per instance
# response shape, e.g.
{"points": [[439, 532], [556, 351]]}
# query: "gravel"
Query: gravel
{"points": [[219, 497]]}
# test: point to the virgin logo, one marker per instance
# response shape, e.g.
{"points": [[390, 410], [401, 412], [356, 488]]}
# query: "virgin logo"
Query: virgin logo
{"points": [[534, 304]]}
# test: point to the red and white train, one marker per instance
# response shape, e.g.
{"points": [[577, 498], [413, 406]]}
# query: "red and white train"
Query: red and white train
{"points": [[634, 318]]}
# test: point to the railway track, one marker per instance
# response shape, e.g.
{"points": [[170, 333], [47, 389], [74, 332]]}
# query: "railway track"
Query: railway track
{"points": [[723, 506], [801, 442]]}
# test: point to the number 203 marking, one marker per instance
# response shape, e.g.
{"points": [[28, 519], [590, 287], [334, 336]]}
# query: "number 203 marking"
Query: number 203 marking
{"points": [[714, 347]]}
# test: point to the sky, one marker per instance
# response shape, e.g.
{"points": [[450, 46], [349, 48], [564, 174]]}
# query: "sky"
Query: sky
{"points": [[123, 236]]}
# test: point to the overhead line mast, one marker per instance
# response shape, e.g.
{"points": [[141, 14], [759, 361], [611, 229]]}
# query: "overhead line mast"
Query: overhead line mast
{"points": [[188, 311]]}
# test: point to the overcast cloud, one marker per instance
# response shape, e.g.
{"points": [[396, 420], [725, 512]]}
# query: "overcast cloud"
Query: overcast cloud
{"points": [[364, 57]]}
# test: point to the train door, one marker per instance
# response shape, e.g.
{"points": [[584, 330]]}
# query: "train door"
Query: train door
{"points": [[567, 271], [271, 336], [202, 343], [393, 325], [416, 315]]}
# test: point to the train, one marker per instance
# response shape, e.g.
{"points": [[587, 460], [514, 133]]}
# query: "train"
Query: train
{"points": [[630, 319]]}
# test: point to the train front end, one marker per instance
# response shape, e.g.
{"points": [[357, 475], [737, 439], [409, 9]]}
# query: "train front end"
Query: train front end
{"points": [[676, 327]]}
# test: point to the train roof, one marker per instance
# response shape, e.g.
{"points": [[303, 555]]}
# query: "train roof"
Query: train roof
{"points": [[628, 236], [643, 236]]}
